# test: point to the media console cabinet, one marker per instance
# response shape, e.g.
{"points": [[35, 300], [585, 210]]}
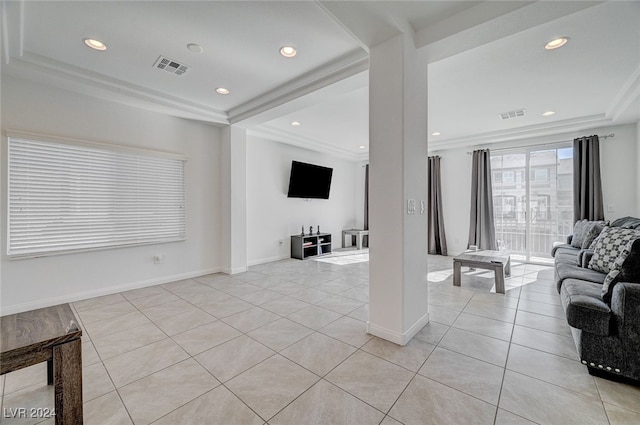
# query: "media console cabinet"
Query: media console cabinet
{"points": [[306, 246]]}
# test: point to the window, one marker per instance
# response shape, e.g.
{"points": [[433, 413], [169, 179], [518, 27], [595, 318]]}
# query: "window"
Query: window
{"points": [[66, 196], [504, 206], [540, 208], [565, 182], [539, 174], [535, 208], [508, 176]]}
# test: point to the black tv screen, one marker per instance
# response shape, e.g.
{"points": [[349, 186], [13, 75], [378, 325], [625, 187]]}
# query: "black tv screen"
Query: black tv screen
{"points": [[309, 181]]}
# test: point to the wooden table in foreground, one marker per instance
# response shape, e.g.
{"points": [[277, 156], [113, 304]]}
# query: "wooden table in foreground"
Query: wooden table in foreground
{"points": [[499, 262], [48, 334]]}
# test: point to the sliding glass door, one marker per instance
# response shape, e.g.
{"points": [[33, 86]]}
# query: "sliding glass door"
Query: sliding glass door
{"points": [[532, 199]]}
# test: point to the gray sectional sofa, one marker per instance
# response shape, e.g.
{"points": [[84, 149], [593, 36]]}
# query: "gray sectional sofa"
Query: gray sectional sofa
{"points": [[603, 309]]}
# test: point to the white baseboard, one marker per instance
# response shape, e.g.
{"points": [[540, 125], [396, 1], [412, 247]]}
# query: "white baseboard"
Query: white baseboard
{"points": [[267, 260], [396, 337], [12, 309], [234, 270]]}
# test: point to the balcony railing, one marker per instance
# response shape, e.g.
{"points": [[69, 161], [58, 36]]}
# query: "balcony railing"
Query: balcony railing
{"points": [[540, 243]]}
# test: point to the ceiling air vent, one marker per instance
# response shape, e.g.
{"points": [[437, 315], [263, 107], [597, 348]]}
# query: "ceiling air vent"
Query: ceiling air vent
{"points": [[170, 65], [513, 114]]}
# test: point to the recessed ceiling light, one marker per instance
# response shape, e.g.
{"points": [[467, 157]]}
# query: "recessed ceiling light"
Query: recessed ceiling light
{"points": [[548, 113], [435, 134], [363, 147], [556, 43], [95, 44], [222, 90], [195, 48], [295, 123], [288, 51]]}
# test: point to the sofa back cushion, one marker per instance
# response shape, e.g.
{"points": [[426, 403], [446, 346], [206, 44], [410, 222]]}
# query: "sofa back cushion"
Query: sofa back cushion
{"points": [[626, 268], [609, 246], [592, 234], [583, 229], [627, 223]]}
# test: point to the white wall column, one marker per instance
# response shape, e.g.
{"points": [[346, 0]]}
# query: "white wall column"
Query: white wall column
{"points": [[233, 167], [397, 175]]}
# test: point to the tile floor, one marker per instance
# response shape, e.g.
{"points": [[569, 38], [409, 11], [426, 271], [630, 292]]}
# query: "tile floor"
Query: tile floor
{"points": [[285, 343]]}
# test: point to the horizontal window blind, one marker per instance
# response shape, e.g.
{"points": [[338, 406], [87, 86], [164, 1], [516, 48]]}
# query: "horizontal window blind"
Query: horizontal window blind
{"points": [[69, 197]]}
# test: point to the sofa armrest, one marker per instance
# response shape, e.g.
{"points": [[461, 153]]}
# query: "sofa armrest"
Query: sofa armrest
{"points": [[584, 256], [625, 303]]}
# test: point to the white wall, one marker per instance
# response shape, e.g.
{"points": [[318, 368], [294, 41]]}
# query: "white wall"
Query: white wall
{"points": [[618, 164], [31, 283], [455, 169], [272, 217]]}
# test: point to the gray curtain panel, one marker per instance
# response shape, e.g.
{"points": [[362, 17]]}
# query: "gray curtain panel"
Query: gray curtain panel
{"points": [[587, 186], [435, 218], [482, 230]]}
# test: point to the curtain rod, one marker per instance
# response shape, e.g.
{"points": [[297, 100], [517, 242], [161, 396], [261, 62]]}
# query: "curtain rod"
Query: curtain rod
{"points": [[605, 137]]}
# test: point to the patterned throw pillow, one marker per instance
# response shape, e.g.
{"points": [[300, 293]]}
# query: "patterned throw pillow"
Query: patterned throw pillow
{"points": [[580, 231], [625, 268], [609, 246]]}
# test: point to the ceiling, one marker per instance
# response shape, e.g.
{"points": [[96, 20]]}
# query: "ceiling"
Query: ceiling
{"points": [[483, 58]]}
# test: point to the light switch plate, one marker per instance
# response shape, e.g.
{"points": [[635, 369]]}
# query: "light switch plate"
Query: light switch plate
{"points": [[411, 206]]}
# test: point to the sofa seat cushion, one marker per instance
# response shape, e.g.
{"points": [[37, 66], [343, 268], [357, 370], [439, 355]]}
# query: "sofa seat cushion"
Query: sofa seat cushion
{"points": [[584, 308], [574, 271]]}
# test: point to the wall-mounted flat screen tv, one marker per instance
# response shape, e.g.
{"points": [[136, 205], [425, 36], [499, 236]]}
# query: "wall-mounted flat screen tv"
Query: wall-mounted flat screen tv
{"points": [[309, 181]]}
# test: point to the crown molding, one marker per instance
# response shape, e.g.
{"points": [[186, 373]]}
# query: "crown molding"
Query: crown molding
{"points": [[102, 86], [346, 66], [576, 124], [12, 29], [276, 135]]}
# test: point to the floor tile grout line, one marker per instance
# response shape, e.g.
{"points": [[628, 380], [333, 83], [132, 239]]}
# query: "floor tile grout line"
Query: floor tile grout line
{"points": [[244, 402], [484, 361], [387, 413], [180, 407], [324, 378], [506, 368], [506, 362], [578, 393], [124, 406], [449, 326], [546, 352], [160, 370]]}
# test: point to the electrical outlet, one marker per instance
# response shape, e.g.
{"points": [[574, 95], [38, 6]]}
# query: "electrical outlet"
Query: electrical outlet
{"points": [[157, 259]]}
